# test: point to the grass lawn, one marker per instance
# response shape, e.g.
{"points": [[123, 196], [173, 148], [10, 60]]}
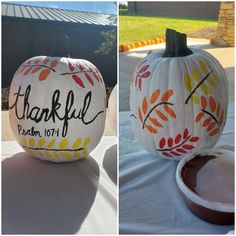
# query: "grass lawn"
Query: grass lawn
{"points": [[133, 28]]}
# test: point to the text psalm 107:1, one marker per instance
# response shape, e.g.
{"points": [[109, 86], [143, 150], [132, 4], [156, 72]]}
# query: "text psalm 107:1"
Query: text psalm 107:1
{"points": [[36, 133]]}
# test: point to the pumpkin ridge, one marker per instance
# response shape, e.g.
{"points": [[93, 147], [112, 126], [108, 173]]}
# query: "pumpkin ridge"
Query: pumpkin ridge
{"points": [[170, 149], [152, 109], [197, 86]]}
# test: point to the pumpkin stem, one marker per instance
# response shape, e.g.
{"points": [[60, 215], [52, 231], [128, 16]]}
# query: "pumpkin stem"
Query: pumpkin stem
{"points": [[176, 44]]}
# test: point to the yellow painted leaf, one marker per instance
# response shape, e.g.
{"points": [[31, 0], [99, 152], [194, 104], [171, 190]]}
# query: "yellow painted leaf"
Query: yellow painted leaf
{"points": [[48, 154], [205, 89], [77, 154], [31, 142], [66, 154], [64, 143], [55, 154], [77, 143], [87, 141], [187, 82], [195, 99], [212, 80], [51, 143], [39, 153], [196, 75], [41, 142], [203, 67], [84, 152], [24, 142]]}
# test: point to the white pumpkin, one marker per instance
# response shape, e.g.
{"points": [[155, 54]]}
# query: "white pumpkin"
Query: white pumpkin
{"points": [[112, 109], [57, 107], [178, 99]]}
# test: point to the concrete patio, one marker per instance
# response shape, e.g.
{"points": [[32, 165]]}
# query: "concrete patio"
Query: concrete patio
{"points": [[129, 60]]}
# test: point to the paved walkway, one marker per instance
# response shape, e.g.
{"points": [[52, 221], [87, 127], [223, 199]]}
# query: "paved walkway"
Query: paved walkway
{"points": [[128, 61]]}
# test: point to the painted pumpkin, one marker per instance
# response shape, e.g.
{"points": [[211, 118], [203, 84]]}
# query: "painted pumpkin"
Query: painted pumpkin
{"points": [[178, 99], [112, 109], [57, 107]]}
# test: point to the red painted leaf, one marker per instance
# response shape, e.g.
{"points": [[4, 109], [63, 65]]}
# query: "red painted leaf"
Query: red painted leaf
{"points": [[144, 68], [175, 153], [96, 76], [45, 61], [54, 63], [71, 67], [170, 142], [27, 71], [181, 150], [81, 67], [221, 117], [166, 154], [194, 139], [212, 103], [218, 110], [185, 135], [187, 146], [140, 84], [203, 102], [177, 138], [37, 68], [162, 142], [145, 75], [88, 77], [78, 80]]}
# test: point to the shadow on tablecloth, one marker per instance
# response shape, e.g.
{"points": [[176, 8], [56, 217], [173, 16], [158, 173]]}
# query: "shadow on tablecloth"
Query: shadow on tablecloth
{"points": [[40, 197], [110, 163]]}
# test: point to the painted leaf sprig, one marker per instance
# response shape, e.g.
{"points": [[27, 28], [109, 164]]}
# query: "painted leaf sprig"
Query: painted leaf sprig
{"points": [[156, 110], [178, 145], [194, 81], [143, 73], [77, 69], [41, 64], [211, 115]]}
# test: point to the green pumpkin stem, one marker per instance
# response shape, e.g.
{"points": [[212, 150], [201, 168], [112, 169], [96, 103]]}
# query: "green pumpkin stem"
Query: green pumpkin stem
{"points": [[176, 44]]}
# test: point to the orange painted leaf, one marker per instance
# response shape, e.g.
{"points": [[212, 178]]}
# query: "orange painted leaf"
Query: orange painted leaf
{"points": [[167, 95], [155, 122], [155, 96], [199, 116], [212, 104], [44, 74], [221, 117], [213, 132], [206, 122], [27, 71], [54, 63], [203, 102], [45, 61], [37, 68], [218, 110], [211, 126], [170, 111], [140, 115], [161, 115], [151, 129], [144, 106]]}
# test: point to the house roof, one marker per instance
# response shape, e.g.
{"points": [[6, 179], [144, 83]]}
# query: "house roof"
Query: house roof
{"points": [[57, 15]]}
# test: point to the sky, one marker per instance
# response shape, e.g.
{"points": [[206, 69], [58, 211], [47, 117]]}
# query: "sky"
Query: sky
{"points": [[99, 7]]}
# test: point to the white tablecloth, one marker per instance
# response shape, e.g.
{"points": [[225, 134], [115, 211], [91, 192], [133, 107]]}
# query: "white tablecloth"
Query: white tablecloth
{"points": [[149, 200], [40, 197]]}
